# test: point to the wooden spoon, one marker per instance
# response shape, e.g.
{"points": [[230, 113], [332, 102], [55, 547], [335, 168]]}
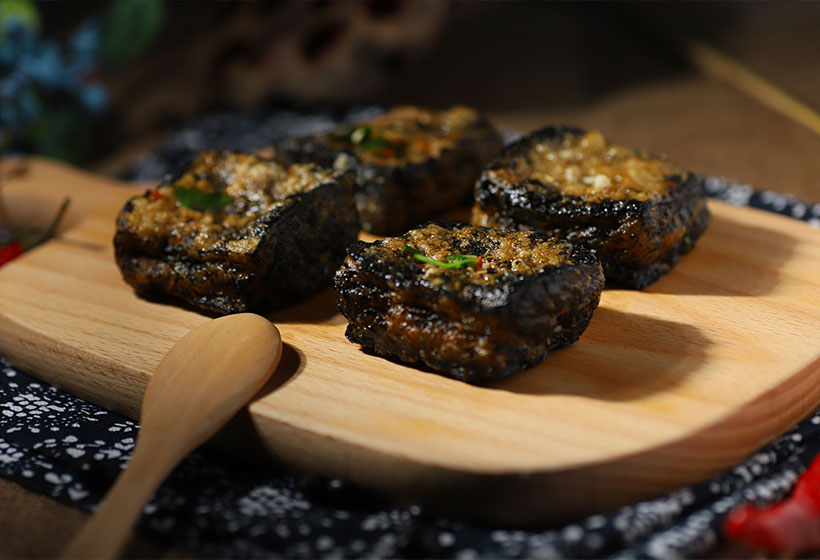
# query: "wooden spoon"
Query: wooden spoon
{"points": [[198, 386]]}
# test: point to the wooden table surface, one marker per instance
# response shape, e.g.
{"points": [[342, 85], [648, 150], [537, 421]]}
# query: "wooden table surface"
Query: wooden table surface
{"points": [[699, 122]]}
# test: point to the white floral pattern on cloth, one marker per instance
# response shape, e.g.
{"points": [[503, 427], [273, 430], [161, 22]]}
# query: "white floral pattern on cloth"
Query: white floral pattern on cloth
{"points": [[741, 194], [61, 446]]}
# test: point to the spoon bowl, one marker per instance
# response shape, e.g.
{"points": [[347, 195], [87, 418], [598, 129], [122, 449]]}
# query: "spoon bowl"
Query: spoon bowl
{"points": [[199, 385]]}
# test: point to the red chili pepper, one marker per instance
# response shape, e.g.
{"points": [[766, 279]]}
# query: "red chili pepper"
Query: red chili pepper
{"points": [[10, 251], [791, 526], [155, 195], [479, 263], [387, 152]]}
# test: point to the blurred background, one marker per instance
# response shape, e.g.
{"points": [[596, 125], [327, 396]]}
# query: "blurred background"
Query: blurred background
{"points": [[100, 83]]}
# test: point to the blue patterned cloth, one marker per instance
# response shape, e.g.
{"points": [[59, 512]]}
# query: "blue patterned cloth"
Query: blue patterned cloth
{"points": [[63, 447]]}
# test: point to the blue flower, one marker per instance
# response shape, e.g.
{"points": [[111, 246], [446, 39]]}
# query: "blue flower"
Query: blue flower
{"points": [[94, 98], [16, 33], [85, 41], [10, 86], [45, 65], [9, 116], [29, 106]]}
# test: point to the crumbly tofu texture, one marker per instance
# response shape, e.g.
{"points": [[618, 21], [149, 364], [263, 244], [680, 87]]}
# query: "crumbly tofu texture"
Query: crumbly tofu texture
{"points": [[531, 295], [590, 166], [412, 134], [257, 186], [506, 252], [411, 163], [278, 239], [638, 211]]}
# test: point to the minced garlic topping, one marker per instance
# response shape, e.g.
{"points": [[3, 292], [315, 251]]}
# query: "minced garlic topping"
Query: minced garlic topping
{"points": [[501, 252], [591, 167], [256, 185], [411, 134]]}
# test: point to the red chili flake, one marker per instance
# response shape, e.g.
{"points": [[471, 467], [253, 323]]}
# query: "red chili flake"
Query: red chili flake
{"points": [[155, 195], [10, 251], [791, 526], [479, 263], [387, 152]]}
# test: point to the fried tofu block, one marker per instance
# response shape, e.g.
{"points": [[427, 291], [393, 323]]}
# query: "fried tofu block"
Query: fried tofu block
{"points": [[638, 211], [411, 164], [469, 302], [234, 233]]}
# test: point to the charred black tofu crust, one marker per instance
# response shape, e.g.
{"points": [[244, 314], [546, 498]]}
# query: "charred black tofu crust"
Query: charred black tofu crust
{"points": [[257, 236], [485, 320], [411, 164], [639, 212]]}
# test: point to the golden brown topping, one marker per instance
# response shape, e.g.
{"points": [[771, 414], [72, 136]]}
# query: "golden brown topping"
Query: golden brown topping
{"points": [[501, 252], [255, 187], [409, 134], [589, 166]]}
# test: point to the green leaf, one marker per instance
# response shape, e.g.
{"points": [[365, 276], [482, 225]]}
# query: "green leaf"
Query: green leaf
{"points": [[460, 260], [360, 134], [130, 26], [453, 260], [363, 137], [191, 197]]}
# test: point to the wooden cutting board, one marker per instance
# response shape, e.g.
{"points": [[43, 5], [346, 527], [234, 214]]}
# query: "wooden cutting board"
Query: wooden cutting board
{"points": [[666, 387]]}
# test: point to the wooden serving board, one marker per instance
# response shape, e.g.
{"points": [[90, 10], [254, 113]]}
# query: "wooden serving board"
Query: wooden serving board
{"points": [[666, 387]]}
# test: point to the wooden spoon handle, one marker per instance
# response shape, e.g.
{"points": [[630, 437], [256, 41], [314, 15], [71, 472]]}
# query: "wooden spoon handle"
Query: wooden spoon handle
{"points": [[206, 377], [105, 534]]}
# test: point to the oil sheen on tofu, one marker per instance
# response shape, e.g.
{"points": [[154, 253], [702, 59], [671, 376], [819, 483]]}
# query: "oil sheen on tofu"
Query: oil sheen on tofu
{"points": [[234, 232], [468, 302], [637, 211]]}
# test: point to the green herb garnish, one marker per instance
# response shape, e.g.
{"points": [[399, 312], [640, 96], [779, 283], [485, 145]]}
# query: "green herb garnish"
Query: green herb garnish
{"points": [[453, 260], [369, 139], [687, 243], [498, 277], [359, 135], [191, 197]]}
